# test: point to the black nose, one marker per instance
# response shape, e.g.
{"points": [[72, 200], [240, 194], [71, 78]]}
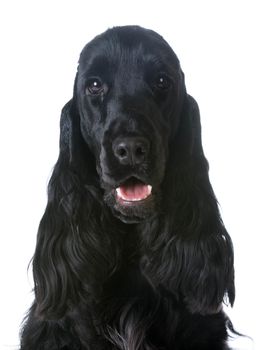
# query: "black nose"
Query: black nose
{"points": [[131, 150]]}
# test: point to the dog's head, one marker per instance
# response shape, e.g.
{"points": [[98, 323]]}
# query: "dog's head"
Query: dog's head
{"points": [[129, 91]]}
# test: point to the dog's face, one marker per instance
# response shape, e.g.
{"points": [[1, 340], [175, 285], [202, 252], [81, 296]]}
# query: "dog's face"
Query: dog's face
{"points": [[129, 90]]}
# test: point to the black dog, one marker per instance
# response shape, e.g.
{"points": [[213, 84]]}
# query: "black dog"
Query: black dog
{"points": [[132, 253]]}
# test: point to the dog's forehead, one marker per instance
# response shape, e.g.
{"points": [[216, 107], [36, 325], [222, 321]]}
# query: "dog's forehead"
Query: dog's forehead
{"points": [[127, 44]]}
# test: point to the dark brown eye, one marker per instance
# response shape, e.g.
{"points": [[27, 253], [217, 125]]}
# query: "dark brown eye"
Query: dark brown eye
{"points": [[95, 87], [162, 82]]}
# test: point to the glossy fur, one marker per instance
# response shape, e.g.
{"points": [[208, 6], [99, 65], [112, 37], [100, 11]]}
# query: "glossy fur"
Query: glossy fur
{"points": [[148, 276]]}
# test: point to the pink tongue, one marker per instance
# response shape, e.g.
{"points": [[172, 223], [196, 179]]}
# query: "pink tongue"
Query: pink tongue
{"points": [[134, 191]]}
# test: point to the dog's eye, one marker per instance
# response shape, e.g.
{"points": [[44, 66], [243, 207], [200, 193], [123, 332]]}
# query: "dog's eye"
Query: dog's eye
{"points": [[95, 87], [162, 82]]}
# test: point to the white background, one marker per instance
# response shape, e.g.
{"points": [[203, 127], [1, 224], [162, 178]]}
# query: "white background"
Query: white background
{"points": [[219, 44]]}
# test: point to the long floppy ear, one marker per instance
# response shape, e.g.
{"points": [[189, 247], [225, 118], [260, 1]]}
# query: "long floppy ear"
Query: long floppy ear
{"points": [[203, 248], [193, 255], [74, 251], [187, 141]]}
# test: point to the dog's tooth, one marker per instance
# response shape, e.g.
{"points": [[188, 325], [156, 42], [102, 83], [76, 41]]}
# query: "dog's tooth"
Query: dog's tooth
{"points": [[118, 190]]}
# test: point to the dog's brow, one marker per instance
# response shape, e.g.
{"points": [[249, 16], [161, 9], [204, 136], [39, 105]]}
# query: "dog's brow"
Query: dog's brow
{"points": [[96, 65]]}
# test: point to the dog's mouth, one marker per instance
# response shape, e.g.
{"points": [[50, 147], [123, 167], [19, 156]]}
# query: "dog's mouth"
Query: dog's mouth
{"points": [[133, 199], [132, 192]]}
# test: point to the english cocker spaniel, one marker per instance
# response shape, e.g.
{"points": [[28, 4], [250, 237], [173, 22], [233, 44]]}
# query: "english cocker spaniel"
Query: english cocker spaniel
{"points": [[131, 253]]}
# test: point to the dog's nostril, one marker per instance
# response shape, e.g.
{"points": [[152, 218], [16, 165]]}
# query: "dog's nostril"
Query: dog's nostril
{"points": [[121, 152], [140, 151]]}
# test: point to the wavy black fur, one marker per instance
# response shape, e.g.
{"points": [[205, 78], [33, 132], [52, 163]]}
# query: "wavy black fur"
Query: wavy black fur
{"points": [[145, 276]]}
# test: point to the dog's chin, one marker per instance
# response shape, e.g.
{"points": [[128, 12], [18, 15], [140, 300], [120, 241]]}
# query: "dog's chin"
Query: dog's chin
{"points": [[134, 212], [132, 202]]}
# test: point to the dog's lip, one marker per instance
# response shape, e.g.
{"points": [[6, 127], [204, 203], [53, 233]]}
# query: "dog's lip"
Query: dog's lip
{"points": [[133, 191]]}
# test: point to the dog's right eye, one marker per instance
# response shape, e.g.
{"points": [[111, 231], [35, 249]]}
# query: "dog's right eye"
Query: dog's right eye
{"points": [[95, 87]]}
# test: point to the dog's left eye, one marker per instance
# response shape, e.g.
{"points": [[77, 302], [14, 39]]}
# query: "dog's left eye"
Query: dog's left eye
{"points": [[162, 82], [95, 87]]}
